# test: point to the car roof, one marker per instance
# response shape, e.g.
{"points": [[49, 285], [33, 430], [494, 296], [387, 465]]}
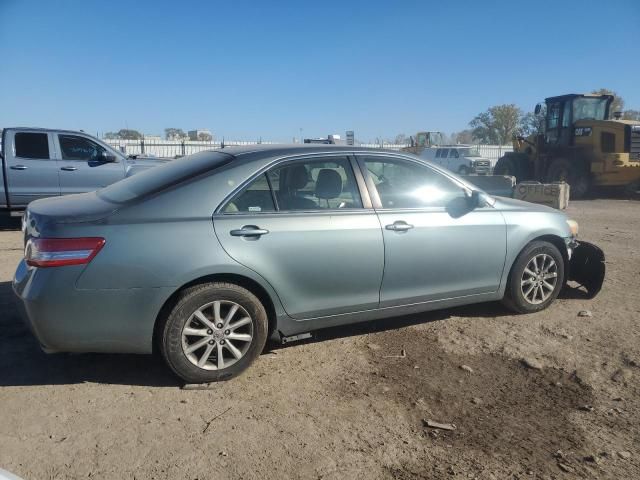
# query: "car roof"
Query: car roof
{"points": [[256, 152]]}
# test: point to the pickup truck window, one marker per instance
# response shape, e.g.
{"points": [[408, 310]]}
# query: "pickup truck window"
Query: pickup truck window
{"points": [[32, 145], [78, 148]]}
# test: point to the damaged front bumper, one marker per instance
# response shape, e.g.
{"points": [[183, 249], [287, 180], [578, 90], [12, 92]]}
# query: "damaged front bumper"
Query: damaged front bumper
{"points": [[586, 266]]}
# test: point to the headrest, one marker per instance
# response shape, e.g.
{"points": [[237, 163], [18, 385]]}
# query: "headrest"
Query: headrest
{"points": [[297, 177], [329, 184]]}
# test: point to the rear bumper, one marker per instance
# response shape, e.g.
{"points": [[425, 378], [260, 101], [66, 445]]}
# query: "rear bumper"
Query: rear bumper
{"points": [[65, 319]]}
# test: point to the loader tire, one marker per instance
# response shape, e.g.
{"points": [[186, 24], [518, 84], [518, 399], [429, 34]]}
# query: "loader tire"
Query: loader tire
{"points": [[511, 165], [562, 170]]}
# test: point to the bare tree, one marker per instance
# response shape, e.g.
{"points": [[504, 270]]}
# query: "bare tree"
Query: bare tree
{"points": [[618, 102], [174, 134]]}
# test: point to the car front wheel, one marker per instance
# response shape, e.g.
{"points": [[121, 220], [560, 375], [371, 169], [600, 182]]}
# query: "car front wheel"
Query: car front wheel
{"points": [[536, 278], [214, 332]]}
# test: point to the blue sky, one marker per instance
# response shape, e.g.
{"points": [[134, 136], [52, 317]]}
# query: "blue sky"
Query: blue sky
{"points": [[266, 69]]}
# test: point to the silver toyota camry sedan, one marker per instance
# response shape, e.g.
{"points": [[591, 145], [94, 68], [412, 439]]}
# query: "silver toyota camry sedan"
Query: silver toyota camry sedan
{"points": [[207, 257]]}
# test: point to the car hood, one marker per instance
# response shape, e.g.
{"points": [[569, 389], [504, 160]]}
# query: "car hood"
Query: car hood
{"points": [[505, 203]]}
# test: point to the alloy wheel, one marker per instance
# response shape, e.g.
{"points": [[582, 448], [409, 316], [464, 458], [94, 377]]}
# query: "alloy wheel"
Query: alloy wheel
{"points": [[217, 335], [539, 279]]}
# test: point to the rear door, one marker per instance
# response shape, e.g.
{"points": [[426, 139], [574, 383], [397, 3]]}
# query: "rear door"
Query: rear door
{"points": [[32, 171], [82, 168], [306, 228]]}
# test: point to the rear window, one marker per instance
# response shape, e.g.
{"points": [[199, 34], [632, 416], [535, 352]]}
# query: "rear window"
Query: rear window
{"points": [[32, 145], [158, 178]]}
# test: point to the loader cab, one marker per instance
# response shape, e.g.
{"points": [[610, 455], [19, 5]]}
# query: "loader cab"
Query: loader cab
{"points": [[564, 111]]}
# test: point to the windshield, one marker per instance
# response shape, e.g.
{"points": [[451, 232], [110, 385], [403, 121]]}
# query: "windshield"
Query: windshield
{"points": [[158, 178], [589, 108]]}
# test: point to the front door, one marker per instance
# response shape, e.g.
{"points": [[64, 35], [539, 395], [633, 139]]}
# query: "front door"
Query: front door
{"points": [[82, 168], [32, 171], [436, 247], [303, 226]]}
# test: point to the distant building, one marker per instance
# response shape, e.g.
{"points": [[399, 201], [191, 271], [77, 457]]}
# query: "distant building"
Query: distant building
{"points": [[204, 135], [151, 138]]}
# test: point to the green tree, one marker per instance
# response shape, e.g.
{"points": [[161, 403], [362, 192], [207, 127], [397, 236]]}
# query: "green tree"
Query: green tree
{"points": [[127, 134], [618, 103], [532, 124], [174, 134], [465, 136], [497, 125]]}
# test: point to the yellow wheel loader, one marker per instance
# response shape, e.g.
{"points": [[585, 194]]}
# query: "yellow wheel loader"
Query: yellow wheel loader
{"points": [[580, 146]]}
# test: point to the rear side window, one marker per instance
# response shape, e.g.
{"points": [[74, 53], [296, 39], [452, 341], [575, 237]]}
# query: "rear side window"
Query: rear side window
{"points": [[32, 145], [254, 198]]}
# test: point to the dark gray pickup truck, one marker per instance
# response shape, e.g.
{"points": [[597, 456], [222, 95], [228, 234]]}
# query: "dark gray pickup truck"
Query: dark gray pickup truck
{"points": [[38, 163]]}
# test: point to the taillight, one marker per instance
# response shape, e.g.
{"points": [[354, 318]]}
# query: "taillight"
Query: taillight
{"points": [[58, 252]]}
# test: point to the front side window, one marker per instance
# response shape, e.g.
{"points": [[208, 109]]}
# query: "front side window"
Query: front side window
{"points": [[454, 153], [79, 148], [403, 184], [32, 145], [320, 184], [445, 152], [566, 114]]}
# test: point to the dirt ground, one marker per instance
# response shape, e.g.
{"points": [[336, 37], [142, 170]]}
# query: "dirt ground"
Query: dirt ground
{"points": [[341, 406]]}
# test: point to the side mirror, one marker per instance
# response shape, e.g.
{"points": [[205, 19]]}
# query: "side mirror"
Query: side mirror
{"points": [[474, 200], [538, 109], [104, 156]]}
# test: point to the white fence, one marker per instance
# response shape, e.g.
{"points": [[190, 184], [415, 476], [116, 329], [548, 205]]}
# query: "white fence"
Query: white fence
{"points": [[494, 152], [173, 148]]}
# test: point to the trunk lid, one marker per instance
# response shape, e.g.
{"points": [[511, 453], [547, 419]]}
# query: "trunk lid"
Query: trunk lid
{"points": [[42, 216]]}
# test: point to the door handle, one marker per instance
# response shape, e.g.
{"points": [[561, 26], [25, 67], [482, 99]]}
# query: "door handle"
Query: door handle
{"points": [[69, 169], [18, 167], [249, 231], [399, 226]]}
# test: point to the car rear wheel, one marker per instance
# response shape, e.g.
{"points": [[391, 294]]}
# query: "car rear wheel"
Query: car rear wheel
{"points": [[214, 332], [536, 278]]}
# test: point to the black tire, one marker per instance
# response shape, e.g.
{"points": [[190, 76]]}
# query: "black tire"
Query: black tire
{"points": [[464, 170], [562, 170], [514, 297], [191, 300], [512, 165]]}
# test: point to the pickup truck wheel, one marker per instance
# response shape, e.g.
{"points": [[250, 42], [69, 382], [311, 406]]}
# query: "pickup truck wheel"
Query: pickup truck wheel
{"points": [[536, 278], [214, 332], [464, 170]]}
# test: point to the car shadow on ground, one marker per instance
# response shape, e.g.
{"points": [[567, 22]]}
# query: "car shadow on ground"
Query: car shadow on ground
{"points": [[22, 362], [10, 223]]}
